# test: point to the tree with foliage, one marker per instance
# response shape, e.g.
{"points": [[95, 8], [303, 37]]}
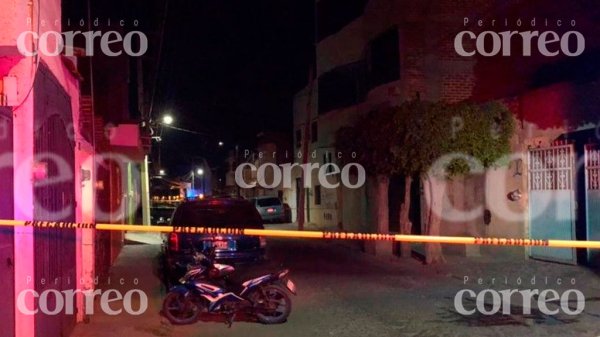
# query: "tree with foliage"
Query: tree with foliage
{"points": [[411, 138], [409, 155], [372, 138], [427, 131]]}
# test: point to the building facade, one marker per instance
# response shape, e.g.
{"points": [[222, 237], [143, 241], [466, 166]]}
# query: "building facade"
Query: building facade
{"points": [[272, 150], [56, 167], [373, 53]]}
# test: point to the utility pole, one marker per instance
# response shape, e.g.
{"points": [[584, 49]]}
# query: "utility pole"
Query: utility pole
{"points": [[311, 80], [305, 140], [193, 180]]}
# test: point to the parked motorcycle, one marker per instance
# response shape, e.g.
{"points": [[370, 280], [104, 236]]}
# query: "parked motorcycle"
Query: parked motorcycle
{"points": [[206, 288]]}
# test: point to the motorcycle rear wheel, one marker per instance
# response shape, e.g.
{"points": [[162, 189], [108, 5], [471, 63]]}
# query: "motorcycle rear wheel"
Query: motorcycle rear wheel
{"points": [[273, 305], [180, 310]]}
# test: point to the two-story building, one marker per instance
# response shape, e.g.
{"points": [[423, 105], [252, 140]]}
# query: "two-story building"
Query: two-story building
{"points": [[60, 162], [373, 53]]}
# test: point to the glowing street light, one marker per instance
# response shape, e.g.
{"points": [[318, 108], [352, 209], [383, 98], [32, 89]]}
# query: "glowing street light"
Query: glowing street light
{"points": [[167, 119], [198, 172], [221, 144], [161, 172]]}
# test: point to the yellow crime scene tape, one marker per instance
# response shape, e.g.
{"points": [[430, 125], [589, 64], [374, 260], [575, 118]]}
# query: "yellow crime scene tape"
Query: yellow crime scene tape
{"points": [[309, 234]]}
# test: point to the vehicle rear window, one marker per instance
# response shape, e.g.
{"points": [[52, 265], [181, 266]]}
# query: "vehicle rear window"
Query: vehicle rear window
{"points": [[164, 212], [268, 202], [217, 216]]}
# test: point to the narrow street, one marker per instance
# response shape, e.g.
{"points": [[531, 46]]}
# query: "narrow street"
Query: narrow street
{"points": [[343, 292]]}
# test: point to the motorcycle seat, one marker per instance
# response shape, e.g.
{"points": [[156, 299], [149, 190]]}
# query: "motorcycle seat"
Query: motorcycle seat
{"points": [[223, 269]]}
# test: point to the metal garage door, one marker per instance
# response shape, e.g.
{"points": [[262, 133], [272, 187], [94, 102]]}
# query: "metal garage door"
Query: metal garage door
{"points": [[54, 199], [7, 247], [592, 199], [552, 200]]}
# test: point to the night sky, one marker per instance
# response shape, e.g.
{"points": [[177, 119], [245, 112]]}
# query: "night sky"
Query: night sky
{"points": [[231, 69]]}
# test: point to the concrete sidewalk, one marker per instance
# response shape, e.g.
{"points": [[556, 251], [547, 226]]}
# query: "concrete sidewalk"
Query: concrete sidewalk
{"points": [[135, 268], [144, 238]]}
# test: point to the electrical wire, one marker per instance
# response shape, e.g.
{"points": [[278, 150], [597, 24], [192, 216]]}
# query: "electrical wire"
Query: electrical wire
{"points": [[159, 57], [186, 130], [37, 57]]}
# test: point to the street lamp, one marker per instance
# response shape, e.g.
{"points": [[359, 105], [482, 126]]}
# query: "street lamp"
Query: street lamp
{"points": [[161, 172], [221, 143], [198, 172], [167, 119]]}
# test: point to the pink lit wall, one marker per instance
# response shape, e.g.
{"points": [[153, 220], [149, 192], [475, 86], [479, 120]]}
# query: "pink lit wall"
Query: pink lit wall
{"points": [[13, 15], [84, 159], [18, 16], [125, 135]]}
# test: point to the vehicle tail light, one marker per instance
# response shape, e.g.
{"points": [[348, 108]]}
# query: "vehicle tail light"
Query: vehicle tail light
{"points": [[263, 241], [174, 241], [270, 210]]}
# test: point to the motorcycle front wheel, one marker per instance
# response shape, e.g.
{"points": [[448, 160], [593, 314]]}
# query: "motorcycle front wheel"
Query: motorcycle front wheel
{"points": [[178, 309], [272, 304]]}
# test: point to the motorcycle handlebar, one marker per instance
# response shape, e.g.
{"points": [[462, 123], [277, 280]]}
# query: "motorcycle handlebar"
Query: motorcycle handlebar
{"points": [[207, 256]]}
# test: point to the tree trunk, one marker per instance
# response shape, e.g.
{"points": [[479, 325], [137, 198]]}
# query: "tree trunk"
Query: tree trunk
{"points": [[340, 207], [381, 217], [405, 223], [433, 194], [383, 213]]}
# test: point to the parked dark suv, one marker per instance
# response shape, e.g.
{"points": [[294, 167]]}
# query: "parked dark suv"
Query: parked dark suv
{"points": [[220, 213]]}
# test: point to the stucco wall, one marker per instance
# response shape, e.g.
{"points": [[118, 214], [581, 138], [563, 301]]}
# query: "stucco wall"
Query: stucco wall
{"points": [[18, 16]]}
